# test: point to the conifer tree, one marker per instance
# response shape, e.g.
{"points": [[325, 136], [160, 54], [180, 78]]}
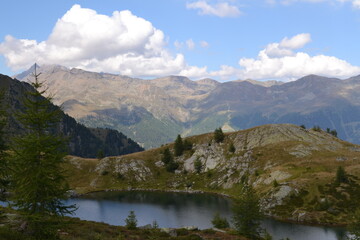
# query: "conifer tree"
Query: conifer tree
{"points": [[3, 154], [166, 157], [232, 148], [247, 213], [178, 147], [219, 135], [341, 176], [39, 184], [131, 221]]}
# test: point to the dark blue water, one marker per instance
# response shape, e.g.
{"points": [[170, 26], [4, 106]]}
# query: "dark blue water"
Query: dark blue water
{"points": [[182, 209]]}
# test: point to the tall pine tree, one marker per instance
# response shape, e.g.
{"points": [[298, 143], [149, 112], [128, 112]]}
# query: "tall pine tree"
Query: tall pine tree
{"points": [[178, 146], [3, 154], [247, 213], [39, 184]]}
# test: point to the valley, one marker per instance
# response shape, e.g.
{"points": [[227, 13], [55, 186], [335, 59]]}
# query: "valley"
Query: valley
{"points": [[152, 112]]}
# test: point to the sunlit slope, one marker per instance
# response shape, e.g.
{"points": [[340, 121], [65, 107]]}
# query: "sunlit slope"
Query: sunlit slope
{"points": [[293, 170]]}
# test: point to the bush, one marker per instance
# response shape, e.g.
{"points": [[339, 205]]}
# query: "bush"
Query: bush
{"points": [[155, 225], [341, 176], [354, 227], [187, 145], [219, 222], [232, 148], [172, 166], [131, 221], [198, 165], [275, 183], [316, 128], [333, 132]]}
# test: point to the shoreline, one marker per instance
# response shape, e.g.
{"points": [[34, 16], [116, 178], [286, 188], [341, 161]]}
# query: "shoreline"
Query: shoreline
{"points": [[272, 217]]}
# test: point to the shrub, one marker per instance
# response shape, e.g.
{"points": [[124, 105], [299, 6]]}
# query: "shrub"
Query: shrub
{"points": [[341, 176], [232, 148], [155, 225], [198, 165], [172, 166], [187, 145], [316, 128], [219, 222], [275, 183]]}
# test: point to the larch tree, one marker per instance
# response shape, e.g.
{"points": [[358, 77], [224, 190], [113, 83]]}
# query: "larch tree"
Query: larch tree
{"points": [[4, 171], [38, 181], [247, 213]]}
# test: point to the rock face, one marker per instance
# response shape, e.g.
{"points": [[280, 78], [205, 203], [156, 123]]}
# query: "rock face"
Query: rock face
{"points": [[153, 112], [135, 169], [83, 141]]}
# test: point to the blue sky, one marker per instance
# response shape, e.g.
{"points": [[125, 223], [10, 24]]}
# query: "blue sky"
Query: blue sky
{"points": [[223, 40]]}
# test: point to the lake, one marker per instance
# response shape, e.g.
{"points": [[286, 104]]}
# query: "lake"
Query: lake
{"points": [[182, 209]]}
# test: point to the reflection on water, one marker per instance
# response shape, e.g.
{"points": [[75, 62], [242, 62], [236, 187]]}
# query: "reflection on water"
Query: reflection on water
{"points": [[182, 209]]}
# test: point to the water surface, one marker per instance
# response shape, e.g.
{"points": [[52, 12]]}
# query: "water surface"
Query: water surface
{"points": [[182, 209]]}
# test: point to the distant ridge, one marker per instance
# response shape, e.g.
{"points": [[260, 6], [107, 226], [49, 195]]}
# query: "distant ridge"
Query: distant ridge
{"points": [[153, 112]]}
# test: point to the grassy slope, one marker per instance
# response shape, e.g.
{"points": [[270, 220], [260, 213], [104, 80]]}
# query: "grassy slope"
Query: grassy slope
{"points": [[311, 176]]}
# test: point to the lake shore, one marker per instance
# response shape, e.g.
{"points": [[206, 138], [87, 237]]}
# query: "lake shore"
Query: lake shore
{"points": [[190, 191]]}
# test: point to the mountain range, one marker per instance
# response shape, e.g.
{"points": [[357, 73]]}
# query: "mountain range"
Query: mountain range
{"points": [[82, 141], [153, 112]]}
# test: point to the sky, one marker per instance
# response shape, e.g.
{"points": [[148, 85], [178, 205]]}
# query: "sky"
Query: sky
{"points": [[219, 39]]}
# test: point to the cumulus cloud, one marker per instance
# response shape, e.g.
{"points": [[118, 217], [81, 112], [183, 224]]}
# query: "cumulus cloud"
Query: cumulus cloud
{"points": [[122, 43], [222, 9], [356, 4], [281, 61]]}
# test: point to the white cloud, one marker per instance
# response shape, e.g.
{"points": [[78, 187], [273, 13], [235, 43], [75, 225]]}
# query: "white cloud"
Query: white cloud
{"points": [[356, 4], [286, 46], [296, 42], [280, 61], [204, 44], [222, 9], [178, 45], [190, 44], [122, 43]]}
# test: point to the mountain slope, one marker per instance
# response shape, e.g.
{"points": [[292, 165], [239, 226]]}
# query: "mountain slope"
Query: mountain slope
{"points": [[154, 111], [293, 170], [83, 141]]}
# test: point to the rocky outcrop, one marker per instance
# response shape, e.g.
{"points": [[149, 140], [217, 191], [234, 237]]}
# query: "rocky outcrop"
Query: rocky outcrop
{"points": [[135, 169]]}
